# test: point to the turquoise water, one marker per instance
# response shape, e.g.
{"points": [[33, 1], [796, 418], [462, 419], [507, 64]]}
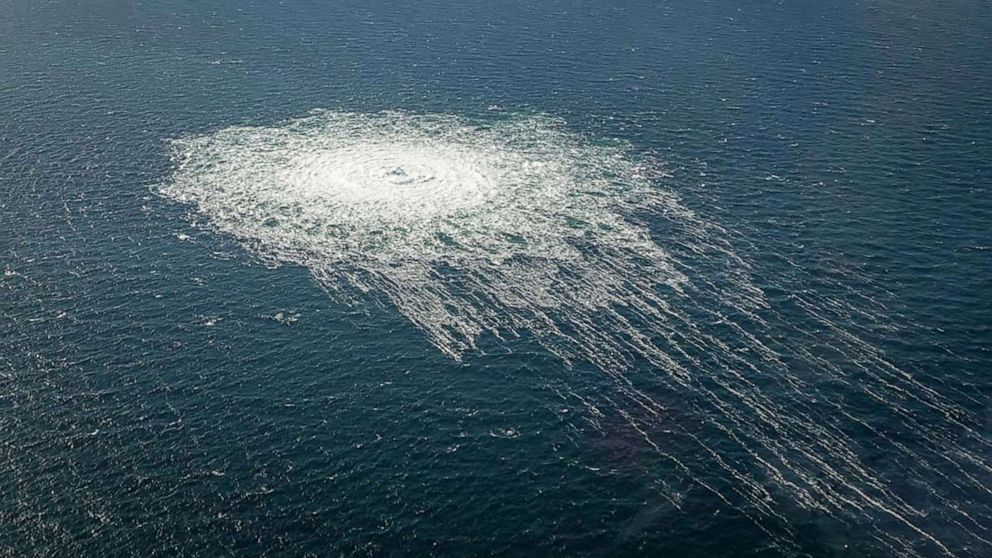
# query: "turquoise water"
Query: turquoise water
{"points": [[501, 278]]}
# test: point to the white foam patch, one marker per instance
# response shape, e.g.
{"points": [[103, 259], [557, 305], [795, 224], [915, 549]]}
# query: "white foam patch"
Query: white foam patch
{"points": [[516, 224], [466, 229]]}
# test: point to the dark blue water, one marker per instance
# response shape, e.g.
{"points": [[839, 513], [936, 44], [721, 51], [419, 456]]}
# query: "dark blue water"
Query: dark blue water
{"points": [[164, 392]]}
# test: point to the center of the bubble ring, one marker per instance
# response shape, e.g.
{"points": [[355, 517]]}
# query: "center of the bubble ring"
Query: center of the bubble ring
{"points": [[399, 175]]}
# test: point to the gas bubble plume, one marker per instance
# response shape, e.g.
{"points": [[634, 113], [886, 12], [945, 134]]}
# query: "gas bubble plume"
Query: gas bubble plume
{"points": [[465, 229], [516, 225]]}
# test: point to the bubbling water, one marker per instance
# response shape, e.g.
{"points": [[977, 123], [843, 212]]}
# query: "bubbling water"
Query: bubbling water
{"points": [[531, 217], [517, 225]]}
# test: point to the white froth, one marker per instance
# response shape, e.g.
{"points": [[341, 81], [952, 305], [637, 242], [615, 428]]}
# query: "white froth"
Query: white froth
{"points": [[382, 202], [515, 224]]}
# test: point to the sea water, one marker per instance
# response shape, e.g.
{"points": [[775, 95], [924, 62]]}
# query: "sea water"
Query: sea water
{"points": [[560, 278]]}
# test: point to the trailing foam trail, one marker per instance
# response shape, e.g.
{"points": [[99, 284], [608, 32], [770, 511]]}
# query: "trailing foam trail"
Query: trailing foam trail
{"points": [[517, 225]]}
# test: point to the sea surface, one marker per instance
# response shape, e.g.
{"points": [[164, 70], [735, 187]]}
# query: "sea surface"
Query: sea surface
{"points": [[562, 278]]}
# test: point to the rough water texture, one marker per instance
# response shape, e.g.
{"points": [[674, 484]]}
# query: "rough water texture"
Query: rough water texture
{"points": [[700, 279], [514, 224]]}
